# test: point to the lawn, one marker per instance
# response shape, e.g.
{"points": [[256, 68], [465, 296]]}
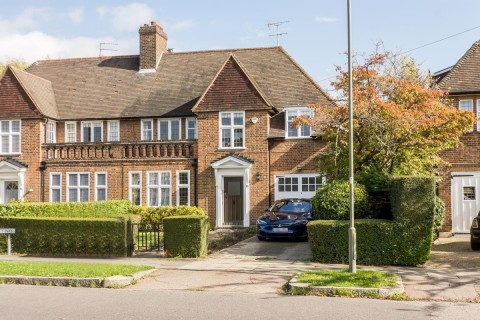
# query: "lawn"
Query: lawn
{"points": [[65, 269], [343, 278]]}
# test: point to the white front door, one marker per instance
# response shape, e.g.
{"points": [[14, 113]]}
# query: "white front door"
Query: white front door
{"points": [[465, 200]]}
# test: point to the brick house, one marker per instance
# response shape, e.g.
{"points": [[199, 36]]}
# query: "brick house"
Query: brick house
{"points": [[460, 189], [207, 128]]}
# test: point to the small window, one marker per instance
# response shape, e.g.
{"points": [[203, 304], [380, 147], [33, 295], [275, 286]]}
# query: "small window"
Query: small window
{"points": [[466, 105], [191, 128], [100, 186], [468, 193], [70, 132], [113, 131], [135, 188], [92, 131], [304, 130], [55, 187], [51, 132], [147, 130], [169, 129], [232, 130], [10, 136], [183, 188]]}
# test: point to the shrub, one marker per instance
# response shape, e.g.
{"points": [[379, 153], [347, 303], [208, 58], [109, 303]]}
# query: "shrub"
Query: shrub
{"points": [[439, 215], [186, 236], [67, 236], [404, 241], [98, 209], [156, 214], [332, 201]]}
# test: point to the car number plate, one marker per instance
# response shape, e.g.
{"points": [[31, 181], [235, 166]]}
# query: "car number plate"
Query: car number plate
{"points": [[280, 229]]}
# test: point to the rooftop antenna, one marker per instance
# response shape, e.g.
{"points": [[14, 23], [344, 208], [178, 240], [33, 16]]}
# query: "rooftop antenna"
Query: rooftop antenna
{"points": [[277, 25], [102, 47]]}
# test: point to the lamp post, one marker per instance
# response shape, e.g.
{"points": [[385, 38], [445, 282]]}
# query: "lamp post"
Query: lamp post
{"points": [[352, 236]]}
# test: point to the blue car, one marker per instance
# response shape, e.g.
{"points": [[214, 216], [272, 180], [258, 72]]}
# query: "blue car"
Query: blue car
{"points": [[286, 218]]}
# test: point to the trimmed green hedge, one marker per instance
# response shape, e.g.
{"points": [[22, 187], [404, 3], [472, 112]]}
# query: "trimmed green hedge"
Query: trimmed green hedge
{"points": [[186, 236], [404, 241], [332, 201], [98, 209], [66, 236], [156, 214]]}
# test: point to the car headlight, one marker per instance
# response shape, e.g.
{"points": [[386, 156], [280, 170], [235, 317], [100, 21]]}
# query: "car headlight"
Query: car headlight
{"points": [[260, 221], [475, 224], [301, 222]]}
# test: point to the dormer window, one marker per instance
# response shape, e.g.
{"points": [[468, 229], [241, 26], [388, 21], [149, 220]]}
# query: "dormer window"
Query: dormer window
{"points": [[9, 136], [92, 131], [51, 132], [169, 129], [302, 131]]}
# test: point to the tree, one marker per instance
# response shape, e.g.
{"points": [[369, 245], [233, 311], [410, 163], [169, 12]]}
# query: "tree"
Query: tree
{"points": [[401, 122], [17, 63]]}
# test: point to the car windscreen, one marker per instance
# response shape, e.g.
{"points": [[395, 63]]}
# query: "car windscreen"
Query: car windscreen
{"points": [[291, 206]]}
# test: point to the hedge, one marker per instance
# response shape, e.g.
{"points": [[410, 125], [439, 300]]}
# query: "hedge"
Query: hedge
{"points": [[186, 236], [98, 209], [404, 241], [156, 214], [66, 236]]}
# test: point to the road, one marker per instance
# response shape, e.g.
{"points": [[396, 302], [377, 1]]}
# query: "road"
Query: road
{"points": [[34, 302]]}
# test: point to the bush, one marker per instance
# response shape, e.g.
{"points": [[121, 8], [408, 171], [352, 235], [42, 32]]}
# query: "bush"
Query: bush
{"points": [[186, 236], [156, 214], [406, 240], [98, 209], [439, 215], [66, 236], [332, 201]]}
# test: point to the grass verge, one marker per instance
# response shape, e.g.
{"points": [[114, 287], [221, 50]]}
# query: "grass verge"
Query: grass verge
{"points": [[66, 269], [343, 278]]}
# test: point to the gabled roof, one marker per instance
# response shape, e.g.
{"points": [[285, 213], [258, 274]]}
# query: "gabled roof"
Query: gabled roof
{"points": [[232, 156], [464, 76], [39, 90], [111, 87], [13, 164]]}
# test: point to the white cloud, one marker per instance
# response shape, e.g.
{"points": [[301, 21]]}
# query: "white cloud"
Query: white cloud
{"points": [[76, 15], [178, 26], [326, 19], [31, 17], [129, 17]]}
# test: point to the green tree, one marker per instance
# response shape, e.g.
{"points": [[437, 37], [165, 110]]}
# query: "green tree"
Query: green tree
{"points": [[17, 63]]}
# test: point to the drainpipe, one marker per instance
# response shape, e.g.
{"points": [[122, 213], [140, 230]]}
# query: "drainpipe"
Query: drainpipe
{"points": [[42, 168], [195, 171]]}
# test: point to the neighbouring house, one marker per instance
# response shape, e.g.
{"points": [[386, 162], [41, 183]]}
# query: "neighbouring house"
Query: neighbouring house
{"points": [[460, 189], [207, 128]]}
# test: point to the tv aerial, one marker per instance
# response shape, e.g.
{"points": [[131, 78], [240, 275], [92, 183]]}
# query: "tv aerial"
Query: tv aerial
{"points": [[278, 34]]}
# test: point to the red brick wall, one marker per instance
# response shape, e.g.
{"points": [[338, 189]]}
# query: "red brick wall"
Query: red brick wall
{"points": [[14, 102]]}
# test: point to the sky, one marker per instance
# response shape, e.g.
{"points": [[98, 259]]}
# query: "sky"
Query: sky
{"points": [[316, 30]]}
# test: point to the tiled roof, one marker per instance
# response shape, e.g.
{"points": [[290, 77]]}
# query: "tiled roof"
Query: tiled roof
{"points": [[39, 90], [465, 74], [112, 87]]}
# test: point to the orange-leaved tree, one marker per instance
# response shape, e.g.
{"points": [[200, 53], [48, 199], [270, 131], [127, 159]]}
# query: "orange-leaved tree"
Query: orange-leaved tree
{"points": [[401, 122]]}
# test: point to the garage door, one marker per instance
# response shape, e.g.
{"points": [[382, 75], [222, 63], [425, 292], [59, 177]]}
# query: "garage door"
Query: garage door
{"points": [[297, 185], [465, 200]]}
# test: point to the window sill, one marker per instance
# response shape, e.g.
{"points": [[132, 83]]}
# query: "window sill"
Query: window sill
{"points": [[11, 154]]}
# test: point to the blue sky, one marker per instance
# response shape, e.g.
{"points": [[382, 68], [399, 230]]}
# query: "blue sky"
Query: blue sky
{"points": [[316, 38]]}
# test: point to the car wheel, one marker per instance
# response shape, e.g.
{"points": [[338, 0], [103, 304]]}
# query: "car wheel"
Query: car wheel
{"points": [[475, 245], [261, 238]]}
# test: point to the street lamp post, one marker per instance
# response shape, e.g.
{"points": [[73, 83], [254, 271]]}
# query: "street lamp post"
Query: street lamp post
{"points": [[352, 236]]}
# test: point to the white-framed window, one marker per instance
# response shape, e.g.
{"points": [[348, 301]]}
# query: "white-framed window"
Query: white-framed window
{"points": [[70, 131], [297, 185], [147, 129], [55, 187], [159, 188], [100, 186], [466, 105], [183, 188], [51, 132], [10, 136], [302, 131], [232, 130], [135, 187], [191, 128], [113, 130], [78, 186], [169, 129], [92, 131], [478, 114]]}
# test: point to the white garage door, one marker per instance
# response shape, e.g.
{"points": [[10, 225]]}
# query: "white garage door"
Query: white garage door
{"points": [[297, 185], [465, 200]]}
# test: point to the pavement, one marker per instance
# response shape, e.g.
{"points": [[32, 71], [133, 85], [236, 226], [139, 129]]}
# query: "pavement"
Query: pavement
{"points": [[253, 266]]}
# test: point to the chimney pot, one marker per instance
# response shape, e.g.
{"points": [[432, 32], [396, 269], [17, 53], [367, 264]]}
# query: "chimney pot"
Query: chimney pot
{"points": [[153, 42]]}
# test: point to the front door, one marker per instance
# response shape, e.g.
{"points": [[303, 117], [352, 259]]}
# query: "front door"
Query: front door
{"points": [[233, 201], [10, 191], [466, 201]]}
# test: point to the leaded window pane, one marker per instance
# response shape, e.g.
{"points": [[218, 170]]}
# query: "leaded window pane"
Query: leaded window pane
{"points": [[84, 179], [72, 195], [72, 180], [84, 195], [101, 194], [226, 138], [183, 196], [165, 197], [183, 178], [56, 180], [226, 119], [101, 179], [153, 178], [55, 195], [136, 179], [163, 130], [165, 178], [153, 197], [175, 127]]}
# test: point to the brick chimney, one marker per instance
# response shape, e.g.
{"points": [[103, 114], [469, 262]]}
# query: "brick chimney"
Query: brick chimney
{"points": [[153, 42]]}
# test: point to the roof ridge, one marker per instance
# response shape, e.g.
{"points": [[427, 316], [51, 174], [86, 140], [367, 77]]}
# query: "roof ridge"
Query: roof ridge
{"points": [[82, 59], [460, 62], [30, 74], [221, 50]]}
